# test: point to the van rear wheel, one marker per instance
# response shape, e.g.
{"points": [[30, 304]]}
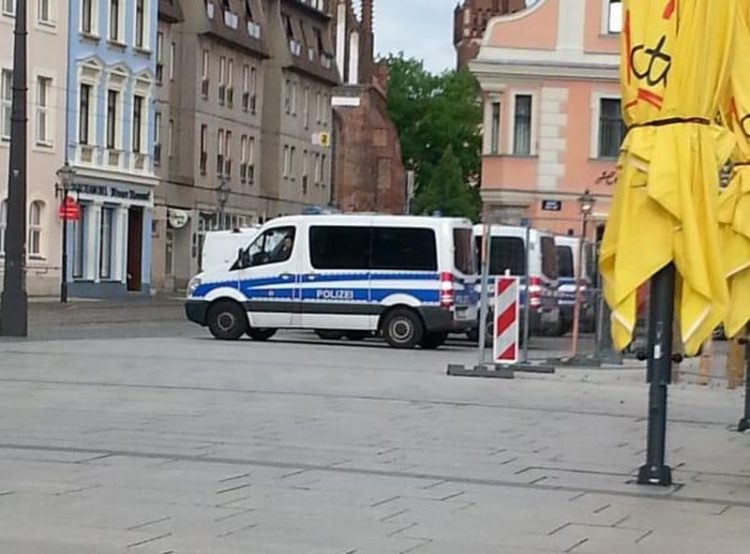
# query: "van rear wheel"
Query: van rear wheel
{"points": [[403, 329], [227, 320]]}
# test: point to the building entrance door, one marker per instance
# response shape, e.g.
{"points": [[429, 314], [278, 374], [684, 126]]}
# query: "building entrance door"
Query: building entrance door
{"points": [[135, 248]]}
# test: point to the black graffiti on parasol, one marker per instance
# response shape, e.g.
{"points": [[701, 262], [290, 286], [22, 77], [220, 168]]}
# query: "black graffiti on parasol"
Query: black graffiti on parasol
{"points": [[745, 125], [659, 63]]}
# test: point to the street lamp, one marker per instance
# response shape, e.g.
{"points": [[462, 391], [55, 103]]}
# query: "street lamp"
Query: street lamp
{"points": [[586, 204], [222, 195], [66, 175]]}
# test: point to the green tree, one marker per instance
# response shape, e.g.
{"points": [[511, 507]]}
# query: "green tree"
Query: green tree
{"points": [[432, 113], [446, 191]]}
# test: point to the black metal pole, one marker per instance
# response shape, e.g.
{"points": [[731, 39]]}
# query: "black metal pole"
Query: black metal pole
{"points": [[661, 317], [744, 424], [14, 302], [64, 271]]}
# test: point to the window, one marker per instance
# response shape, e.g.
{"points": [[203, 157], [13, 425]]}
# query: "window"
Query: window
{"points": [[294, 98], [506, 254], [84, 112], [306, 107], [230, 73], [614, 16], [611, 128], [140, 16], [565, 261], [304, 172], [172, 60], [317, 174], [159, 57], [272, 247], [43, 12], [253, 88], [340, 248], [204, 151], [495, 129], [43, 87], [292, 153], [228, 154], [318, 108], [112, 97], [243, 158], [87, 16], [287, 162], [3, 225], [324, 115], [463, 256], [36, 211], [288, 96], [170, 138], [106, 233], [114, 20], [7, 101], [323, 169], [404, 248], [137, 123], [251, 160], [9, 7], [549, 257], [169, 253], [205, 80], [157, 137], [79, 243], [220, 152], [522, 128]]}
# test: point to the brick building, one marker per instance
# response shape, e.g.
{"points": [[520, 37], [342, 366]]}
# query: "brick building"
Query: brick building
{"points": [[470, 21], [368, 172]]}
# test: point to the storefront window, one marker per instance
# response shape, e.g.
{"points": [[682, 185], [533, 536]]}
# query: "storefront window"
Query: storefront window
{"points": [[79, 243], [105, 244]]}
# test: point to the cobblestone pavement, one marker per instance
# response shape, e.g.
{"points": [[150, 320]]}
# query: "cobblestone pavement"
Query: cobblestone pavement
{"points": [[181, 444]]}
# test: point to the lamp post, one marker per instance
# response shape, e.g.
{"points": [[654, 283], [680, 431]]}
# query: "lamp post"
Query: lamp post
{"points": [[14, 299], [66, 176], [222, 195], [586, 204]]}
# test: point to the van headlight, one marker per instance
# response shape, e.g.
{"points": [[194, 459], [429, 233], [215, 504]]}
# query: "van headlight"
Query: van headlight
{"points": [[195, 282]]}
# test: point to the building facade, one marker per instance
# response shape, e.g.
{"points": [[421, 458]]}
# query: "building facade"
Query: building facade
{"points": [[470, 21], [552, 119], [368, 171], [109, 137], [47, 46]]}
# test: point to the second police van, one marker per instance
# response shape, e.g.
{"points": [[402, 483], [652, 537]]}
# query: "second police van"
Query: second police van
{"points": [[413, 279]]}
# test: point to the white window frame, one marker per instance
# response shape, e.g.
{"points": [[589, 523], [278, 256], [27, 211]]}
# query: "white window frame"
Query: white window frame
{"points": [[94, 32], [120, 38], [172, 56], [292, 155], [533, 150], [157, 135], [206, 64], [286, 162], [36, 229], [605, 28], [6, 104], [170, 138], [222, 70], [596, 112], [306, 108], [146, 43], [51, 21], [117, 80], [89, 74], [490, 101], [9, 8], [44, 111]]}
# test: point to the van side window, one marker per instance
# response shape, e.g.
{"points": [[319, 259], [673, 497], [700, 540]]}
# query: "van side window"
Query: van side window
{"points": [[272, 247], [549, 257], [339, 247], [404, 248], [565, 261]]}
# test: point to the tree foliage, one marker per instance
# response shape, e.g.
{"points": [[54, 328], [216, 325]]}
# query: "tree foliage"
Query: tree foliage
{"points": [[447, 192], [435, 113]]}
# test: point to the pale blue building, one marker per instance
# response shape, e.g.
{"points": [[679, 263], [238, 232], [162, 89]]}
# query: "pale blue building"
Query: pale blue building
{"points": [[109, 137]]}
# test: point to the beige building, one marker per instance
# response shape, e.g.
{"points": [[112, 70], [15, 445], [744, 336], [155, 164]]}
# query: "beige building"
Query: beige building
{"points": [[47, 44], [242, 120]]}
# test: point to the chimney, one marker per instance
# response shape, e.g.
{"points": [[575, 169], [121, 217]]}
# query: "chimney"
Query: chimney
{"points": [[367, 43]]}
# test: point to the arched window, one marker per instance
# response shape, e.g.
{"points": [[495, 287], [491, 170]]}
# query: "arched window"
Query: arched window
{"points": [[36, 213]]}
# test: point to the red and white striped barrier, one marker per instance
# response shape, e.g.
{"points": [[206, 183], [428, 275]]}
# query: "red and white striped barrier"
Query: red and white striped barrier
{"points": [[505, 344]]}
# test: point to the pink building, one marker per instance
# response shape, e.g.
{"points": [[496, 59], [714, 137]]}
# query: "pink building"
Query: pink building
{"points": [[552, 121]]}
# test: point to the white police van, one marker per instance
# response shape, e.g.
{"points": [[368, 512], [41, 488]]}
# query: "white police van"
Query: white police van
{"points": [[413, 279]]}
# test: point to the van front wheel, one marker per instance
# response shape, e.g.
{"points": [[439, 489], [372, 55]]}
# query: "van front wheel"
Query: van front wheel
{"points": [[403, 328], [227, 320]]}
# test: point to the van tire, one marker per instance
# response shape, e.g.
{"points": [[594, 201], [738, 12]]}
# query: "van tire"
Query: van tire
{"points": [[227, 320], [403, 328], [328, 334], [261, 334], [433, 341]]}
